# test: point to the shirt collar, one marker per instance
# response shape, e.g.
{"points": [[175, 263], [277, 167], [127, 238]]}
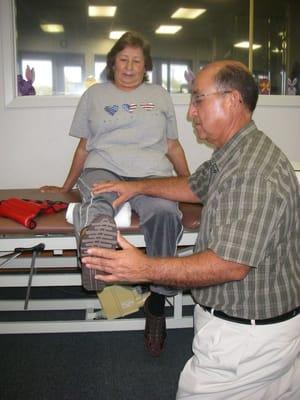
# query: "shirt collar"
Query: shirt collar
{"points": [[220, 156]]}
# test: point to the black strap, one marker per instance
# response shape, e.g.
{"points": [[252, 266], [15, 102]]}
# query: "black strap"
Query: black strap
{"points": [[274, 320]]}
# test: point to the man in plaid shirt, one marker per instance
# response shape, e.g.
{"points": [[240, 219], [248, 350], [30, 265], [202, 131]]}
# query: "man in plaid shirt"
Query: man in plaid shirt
{"points": [[245, 270]]}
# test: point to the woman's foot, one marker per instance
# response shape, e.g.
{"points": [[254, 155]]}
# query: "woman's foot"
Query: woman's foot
{"points": [[101, 232], [155, 329]]}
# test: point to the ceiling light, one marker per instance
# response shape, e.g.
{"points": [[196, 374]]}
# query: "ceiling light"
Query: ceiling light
{"points": [[102, 11], [52, 28], [188, 13], [116, 34], [168, 29], [245, 45]]}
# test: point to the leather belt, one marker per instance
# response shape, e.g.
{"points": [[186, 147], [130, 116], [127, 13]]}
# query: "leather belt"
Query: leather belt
{"points": [[274, 320]]}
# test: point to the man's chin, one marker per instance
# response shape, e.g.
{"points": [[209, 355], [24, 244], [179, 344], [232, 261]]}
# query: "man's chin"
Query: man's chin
{"points": [[199, 133]]}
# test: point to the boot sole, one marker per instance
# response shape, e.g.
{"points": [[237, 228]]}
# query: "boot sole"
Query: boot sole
{"points": [[102, 232]]}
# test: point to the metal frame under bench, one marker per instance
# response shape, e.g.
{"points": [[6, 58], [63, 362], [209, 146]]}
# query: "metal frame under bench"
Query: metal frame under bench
{"points": [[57, 267]]}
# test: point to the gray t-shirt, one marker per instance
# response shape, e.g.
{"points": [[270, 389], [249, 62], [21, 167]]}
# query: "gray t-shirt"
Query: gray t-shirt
{"points": [[126, 131]]}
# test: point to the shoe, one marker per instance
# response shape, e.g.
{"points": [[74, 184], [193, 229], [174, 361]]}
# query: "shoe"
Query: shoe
{"points": [[101, 232], [155, 332]]}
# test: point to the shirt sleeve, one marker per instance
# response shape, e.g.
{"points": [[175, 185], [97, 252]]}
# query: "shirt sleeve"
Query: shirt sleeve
{"points": [[199, 181], [171, 122], [80, 126], [244, 221]]}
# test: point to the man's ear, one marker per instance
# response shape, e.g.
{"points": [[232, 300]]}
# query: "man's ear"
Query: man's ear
{"points": [[235, 98]]}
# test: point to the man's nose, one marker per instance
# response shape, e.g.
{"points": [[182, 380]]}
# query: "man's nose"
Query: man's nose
{"points": [[191, 111]]}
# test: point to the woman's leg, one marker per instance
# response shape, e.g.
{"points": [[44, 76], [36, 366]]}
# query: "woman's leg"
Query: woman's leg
{"points": [[92, 205], [160, 222], [90, 230]]}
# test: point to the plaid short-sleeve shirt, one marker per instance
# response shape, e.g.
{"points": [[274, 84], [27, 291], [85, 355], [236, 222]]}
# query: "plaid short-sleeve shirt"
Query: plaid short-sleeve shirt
{"points": [[251, 215]]}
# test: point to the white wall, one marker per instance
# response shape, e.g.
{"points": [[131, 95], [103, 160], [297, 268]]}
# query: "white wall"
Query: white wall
{"points": [[35, 148]]}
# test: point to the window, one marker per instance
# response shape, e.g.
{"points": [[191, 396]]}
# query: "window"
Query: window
{"points": [[100, 75], [54, 73], [43, 79], [173, 76], [276, 62], [78, 48], [73, 80]]}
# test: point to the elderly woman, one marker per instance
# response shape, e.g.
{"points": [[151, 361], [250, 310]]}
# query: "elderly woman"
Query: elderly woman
{"points": [[127, 130]]}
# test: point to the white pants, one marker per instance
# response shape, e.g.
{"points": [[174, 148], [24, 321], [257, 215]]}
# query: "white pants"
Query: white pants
{"points": [[235, 361]]}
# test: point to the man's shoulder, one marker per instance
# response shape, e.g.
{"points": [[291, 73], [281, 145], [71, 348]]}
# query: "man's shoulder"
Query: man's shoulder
{"points": [[257, 146], [262, 158]]}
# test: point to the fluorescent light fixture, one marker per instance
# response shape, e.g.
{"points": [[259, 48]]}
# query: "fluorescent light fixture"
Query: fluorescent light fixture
{"points": [[168, 29], [188, 13], [245, 45], [52, 28], [116, 34], [102, 11]]}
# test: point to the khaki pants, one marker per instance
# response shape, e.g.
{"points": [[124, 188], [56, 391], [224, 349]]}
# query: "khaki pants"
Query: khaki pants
{"points": [[235, 361]]}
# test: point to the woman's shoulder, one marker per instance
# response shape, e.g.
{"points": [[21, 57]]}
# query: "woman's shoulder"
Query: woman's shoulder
{"points": [[154, 88], [98, 87]]}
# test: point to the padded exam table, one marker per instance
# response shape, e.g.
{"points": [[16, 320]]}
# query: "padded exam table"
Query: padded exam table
{"points": [[56, 266]]}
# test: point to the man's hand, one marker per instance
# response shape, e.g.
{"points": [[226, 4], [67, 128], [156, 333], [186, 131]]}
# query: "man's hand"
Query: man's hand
{"points": [[125, 190], [126, 265]]}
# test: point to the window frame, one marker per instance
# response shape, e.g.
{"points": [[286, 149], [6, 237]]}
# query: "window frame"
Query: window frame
{"points": [[11, 100], [58, 62]]}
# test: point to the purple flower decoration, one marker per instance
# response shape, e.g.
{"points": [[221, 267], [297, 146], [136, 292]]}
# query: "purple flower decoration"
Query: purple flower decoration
{"points": [[25, 87]]}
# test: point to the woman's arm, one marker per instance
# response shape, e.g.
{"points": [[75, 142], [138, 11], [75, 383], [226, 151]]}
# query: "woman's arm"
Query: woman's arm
{"points": [[79, 158], [177, 157]]}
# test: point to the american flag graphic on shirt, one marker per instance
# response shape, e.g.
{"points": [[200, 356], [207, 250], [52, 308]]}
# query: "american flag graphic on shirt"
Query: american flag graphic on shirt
{"points": [[132, 107], [129, 107], [147, 106]]}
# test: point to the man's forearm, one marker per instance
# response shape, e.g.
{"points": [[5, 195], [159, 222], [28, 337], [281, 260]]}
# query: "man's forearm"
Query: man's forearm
{"points": [[197, 270], [174, 188], [132, 265]]}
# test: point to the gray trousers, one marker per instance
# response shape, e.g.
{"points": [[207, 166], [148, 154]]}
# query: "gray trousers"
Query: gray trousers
{"points": [[160, 219]]}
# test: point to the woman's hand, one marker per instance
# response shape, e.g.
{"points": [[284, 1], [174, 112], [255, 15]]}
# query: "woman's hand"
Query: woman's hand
{"points": [[79, 158], [53, 189]]}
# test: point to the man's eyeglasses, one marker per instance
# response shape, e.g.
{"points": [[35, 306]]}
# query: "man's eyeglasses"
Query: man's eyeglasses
{"points": [[197, 98]]}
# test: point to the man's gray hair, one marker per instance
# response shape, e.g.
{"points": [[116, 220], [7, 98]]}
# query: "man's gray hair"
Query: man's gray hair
{"points": [[235, 76]]}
